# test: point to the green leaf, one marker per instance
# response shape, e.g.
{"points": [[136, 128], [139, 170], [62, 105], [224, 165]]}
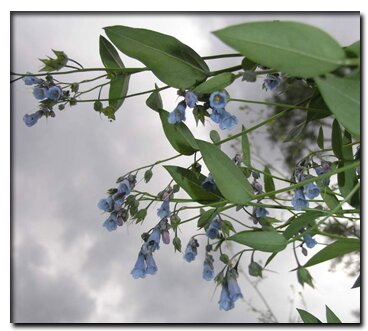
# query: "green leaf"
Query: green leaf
{"points": [[328, 196], [336, 139], [295, 48], [246, 149], [342, 96], [318, 103], [331, 317], [304, 277], [338, 248], [173, 62], [229, 179], [215, 137], [347, 180], [179, 136], [206, 217], [216, 83], [265, 241], [301, 221], [308, 318], [354, 49], [321, 138], [148, 175], [270, 258], [120, 84], [268, 182], [154, 101], [191, 183], [357, 283]]}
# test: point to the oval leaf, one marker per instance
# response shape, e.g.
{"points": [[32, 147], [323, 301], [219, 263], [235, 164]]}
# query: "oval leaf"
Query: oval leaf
{"points": [[173, 62], [154, 101], [215, 137], [308, 318], [338, 248], [179, 136], [191, 183], [354, 49], [342, 96], [265, 241], [246, 149], [217, 83], [347, 180], [336, 139], [321, 139], [229, 179], [294, 48], [120, 84], [268, 181]]}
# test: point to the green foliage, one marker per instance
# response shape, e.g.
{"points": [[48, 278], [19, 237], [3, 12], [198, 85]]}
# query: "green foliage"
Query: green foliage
{"points": [[179, 136], [321, 139], [119, 84], [190, 182], [148, 175], [216, 83], [336, 139], [206, 217], [265, 241], [294, 48], [215, 137], [154, 101], [331, 317], [246, 149], [342, 95], [51, 64], [338, 248], [297, 223], [268, 182], [308, 318], [159, 52], [229, 179], [304, 277]]}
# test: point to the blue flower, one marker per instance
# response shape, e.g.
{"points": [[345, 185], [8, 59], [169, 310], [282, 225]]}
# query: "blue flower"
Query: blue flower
{"points": [[164, 210], [178, 114], [225, 302], [124, 187], [151, 268], [217, 115], [218, 100], [106, 204], [139, 270], [272, 81], [208, 269], [153, 241], [309, 241], [233, 287], [261, 212], [298, 201], [322, 170], [54, 93], [213, 229], [191, 250], [31, 80], [39, 93], [191, 99], [209, 183], [32, 119], [227, 121], [311, 190], [111, 223]]}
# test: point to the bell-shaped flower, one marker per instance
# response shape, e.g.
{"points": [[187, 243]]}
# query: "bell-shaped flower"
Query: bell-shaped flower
{"points": [[164, 210], [39, 93], [225, 302], [208, 269], [233, 287], [309, 241], [178, 114], [106, 204], [311, 190], [191, 99], [54, 93], [139, 270], [212, 231], [191, 250], [111, 223], [151, 268], [298, 201], [218, 100], [261, 212], [32, 119]]}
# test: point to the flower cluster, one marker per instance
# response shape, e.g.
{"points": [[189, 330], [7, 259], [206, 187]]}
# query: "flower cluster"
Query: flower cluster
{"points": [[114, 202], [191, 250], [258, 212], [216, 101], [48, 93]]}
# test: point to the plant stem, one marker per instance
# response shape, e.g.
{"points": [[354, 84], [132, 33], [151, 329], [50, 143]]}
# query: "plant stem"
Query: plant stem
{"points": [[220, 56], [230, 69]]}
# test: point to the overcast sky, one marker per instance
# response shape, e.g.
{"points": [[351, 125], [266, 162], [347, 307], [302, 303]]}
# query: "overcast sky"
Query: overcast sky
{"points": [[67, 267]]}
